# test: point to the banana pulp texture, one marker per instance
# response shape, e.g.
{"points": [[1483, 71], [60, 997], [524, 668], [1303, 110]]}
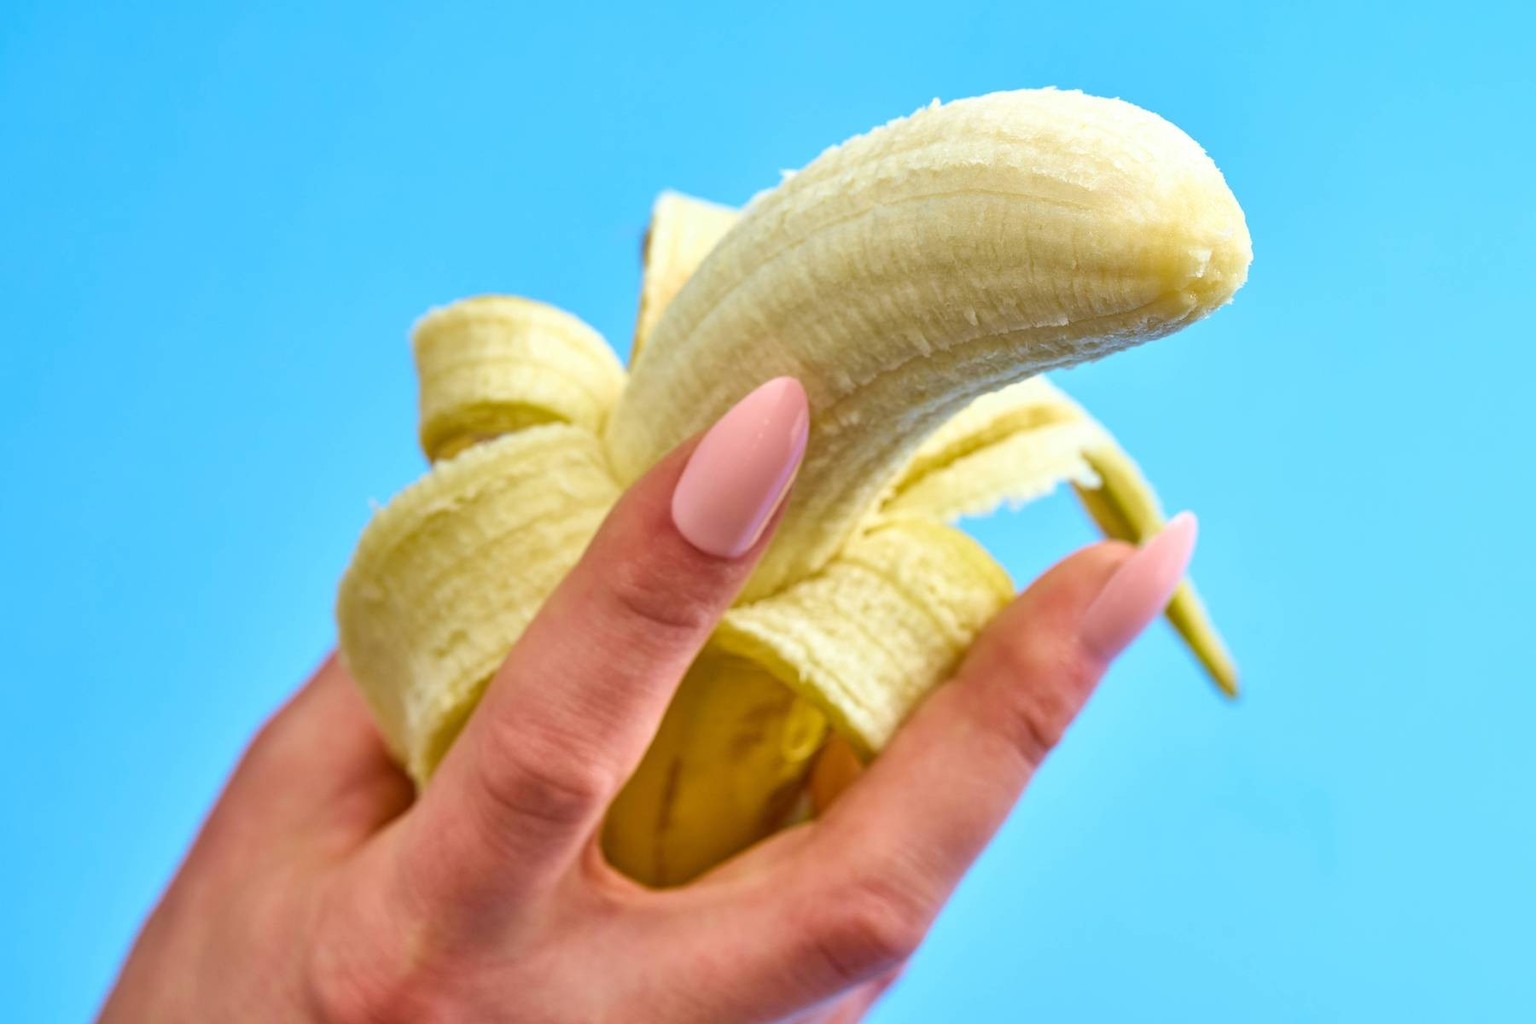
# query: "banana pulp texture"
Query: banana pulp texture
{"points": [[917, 280]]}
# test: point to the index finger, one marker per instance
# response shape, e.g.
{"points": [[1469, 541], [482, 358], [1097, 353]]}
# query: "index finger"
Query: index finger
{"points": [[569, 714]]}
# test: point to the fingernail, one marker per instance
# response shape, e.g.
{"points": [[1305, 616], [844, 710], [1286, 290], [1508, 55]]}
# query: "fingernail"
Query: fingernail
{"points": [[741, 469], [1140, 589]]}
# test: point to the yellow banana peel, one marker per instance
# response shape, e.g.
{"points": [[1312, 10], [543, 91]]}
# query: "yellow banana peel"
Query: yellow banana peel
{"points": [[917, 280]]}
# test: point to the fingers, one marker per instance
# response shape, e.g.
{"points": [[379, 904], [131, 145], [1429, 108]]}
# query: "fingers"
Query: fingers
{"points": [[571, 711], [874, 872]]}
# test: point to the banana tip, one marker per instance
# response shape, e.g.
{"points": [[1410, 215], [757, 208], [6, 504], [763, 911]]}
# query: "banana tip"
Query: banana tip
{"points": [[1226, 682]]}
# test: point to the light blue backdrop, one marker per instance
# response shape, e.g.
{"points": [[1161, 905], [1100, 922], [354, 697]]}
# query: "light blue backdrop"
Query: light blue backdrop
{"points": [[216, 226]]}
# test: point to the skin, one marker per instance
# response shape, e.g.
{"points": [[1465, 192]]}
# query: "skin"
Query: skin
{"points": [[322, 888]]}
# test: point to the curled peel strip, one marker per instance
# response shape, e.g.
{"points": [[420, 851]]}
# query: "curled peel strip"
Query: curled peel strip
{"points": [[495, 364], [449, 572]]}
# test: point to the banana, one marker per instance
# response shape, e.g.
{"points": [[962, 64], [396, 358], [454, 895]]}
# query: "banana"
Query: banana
{"points": [[918, 280], [905, 272]]}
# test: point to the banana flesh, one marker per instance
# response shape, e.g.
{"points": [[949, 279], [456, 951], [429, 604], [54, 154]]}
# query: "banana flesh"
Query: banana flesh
{"points": [[910, 270], [917, 279]]}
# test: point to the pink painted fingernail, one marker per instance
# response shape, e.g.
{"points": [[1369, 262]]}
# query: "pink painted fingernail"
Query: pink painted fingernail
{"points": [[742, 469], [1140, 589]]}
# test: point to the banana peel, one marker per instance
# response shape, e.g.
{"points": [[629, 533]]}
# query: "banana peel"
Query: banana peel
{"points": [[918, 280]]}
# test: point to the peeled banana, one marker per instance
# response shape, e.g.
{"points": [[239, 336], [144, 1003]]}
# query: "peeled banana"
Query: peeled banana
{"points": [[917, 279]]}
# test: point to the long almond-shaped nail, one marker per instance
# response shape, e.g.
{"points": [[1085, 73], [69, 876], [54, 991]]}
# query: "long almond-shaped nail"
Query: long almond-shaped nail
{"points": [[1140, 589], [742, 468]]}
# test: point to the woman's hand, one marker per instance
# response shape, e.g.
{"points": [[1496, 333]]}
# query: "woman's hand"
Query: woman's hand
{"points": [[320, 889]]}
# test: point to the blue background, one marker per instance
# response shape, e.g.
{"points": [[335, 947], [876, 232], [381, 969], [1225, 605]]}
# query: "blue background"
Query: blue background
{"points": [[217, 225]]}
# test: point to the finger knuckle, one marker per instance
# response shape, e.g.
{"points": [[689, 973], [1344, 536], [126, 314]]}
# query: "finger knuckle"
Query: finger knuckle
{"points": [[872, 927], [536, 777], [1040, 689], [661, 601]]}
